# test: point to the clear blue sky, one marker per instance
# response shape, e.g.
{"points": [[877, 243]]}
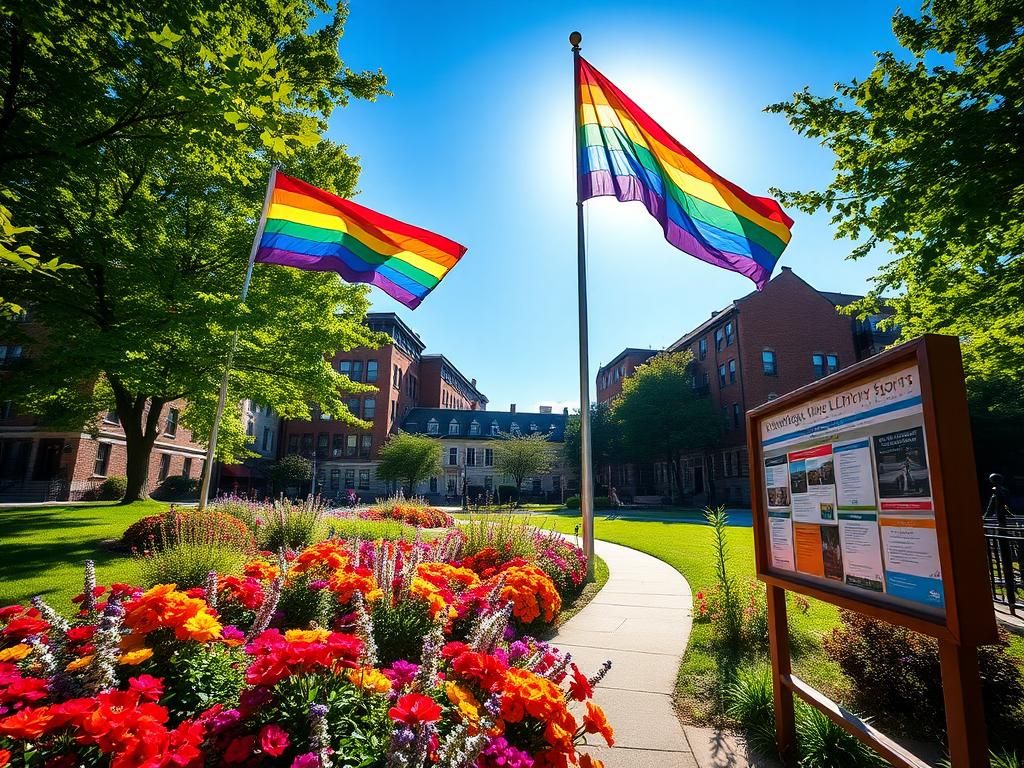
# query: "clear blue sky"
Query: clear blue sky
{"points": [[476, 143]]}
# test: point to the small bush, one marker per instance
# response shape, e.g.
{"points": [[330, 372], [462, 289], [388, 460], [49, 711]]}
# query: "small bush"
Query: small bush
{"points": [[573, 502], [204, 676], [176, 488], [508, 493], [562, 561], [369, 530], [421, 516], [173, 527], [824, 744], [511, 536], [276, 523], [188, 564], [750, 700], [112, 489]]}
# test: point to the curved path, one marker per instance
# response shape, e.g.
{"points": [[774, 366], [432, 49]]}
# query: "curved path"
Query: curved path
{"points": [[640, 620]]}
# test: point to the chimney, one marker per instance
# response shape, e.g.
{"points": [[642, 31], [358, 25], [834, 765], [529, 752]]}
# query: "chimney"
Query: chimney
{"points": [[545, 409], [565, 411], [473, 382], [787, 269], [714, 312], [512, 408]]}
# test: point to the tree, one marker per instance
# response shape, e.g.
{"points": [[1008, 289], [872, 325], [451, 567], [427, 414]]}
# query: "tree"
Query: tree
{"points": [[409, 458], [138, 139], [929, 164], [520, 456], [604, 437], [292, 471], [659, 415]]}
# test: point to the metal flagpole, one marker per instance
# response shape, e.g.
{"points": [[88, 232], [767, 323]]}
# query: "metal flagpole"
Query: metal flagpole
{"points": [[211, 448], [586, 467]]}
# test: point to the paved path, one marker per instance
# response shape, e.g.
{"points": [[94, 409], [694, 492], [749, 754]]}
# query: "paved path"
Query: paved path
{"points": [[641, 621]]}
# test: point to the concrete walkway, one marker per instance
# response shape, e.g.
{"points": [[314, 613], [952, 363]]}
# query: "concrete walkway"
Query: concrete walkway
{"points": [[641, 621]]}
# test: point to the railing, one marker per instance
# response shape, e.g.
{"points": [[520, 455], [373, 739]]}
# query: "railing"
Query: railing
{"points": [[1004, 539]]}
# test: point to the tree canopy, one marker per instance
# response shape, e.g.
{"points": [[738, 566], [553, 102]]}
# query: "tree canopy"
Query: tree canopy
{"points": [[138, 140], [520, 456], [409, 459], [604, 437]]}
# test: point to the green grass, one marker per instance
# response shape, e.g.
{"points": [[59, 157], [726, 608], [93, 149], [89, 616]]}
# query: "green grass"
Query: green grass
{"points": [[43, 548]]}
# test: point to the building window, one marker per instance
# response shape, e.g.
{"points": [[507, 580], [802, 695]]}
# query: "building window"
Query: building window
{"points": [[832, 363], [702, 349], [471, 457], [536, 485], [364, 479], [744, 463], [323, 442], [165, 467], [726, 464], [719, 339], [396, 378], [732, 371], [725, 416], [365, 444], [451, 486], [357, 370], [345, 368], [432, 427], [186, 467], [394, 410], [350, 445], [369, 408], [453, 427], [266, 439], [768, 363], [730, 337], [350, 478], [338, 446], [102, 459], [6, 409], [721, 375], [307, 444], [9, 354], [335, 479], [533, 429], [433, 485], [556, 483], [818, 361], [293, 443], [495, 429], [453, 457], [112, 418], [171, 427], [474, 427], [371, 371], [514, 428], [736, 415], [488, 457], [488, 483]]}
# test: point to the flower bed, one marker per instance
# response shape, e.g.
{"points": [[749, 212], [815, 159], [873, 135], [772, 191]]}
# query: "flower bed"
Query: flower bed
{"points": [[343, 653], [420, 516]]}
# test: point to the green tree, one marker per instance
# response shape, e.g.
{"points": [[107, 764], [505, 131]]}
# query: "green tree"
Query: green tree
{"points": [[659, 415], [15, 256], [604, 437], [929, 165], [520, 456], [407, 458], [292, 471], [138, 139]]}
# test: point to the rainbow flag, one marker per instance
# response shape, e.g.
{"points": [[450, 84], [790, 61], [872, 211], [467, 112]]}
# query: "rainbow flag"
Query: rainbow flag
{"points": [[626, 154], [309, 228]]}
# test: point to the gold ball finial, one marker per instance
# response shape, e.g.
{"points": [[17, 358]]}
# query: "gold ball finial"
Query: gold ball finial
{"points": [[575, 38]]}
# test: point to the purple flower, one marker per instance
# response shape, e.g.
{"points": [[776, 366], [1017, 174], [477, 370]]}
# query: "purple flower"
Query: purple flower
{"points": [[517, 650], [231, 632], [254, 698], [225, 719], [317, 584], [402, 672], [500, 754], [403, 737]]}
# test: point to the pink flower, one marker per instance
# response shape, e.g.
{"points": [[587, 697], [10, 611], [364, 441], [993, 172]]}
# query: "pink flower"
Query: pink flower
{"points": [[273, 740], [239, 749], [308, 760], [147, 686]]}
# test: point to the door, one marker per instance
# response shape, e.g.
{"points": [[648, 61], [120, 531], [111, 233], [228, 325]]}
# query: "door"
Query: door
{"points": [[698, 480], [47, 465]]}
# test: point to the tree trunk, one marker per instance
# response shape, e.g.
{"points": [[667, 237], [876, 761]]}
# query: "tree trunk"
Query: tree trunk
{"points": [[141, 426]]}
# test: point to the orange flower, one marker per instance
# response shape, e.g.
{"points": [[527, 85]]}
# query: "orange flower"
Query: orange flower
{"points": [[306, 635], [532, 594], [27, 724], [202, 627], [15, 652], [369, 679], [465, 702], [586, 761], [329, 554], [136, 657], [79, 663], [596, 722], [5, 758], [261, 570]]}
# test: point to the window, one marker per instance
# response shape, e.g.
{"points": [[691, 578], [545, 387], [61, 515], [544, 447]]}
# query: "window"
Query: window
{"points": [[350, 445], [396, 377], [453, 457], [102, 459], [345, 368], [736, 415], [353, 406], [432, 427], [474, 427], [768, 363], [350, 478], [171, 428], [488, 483], [6, 409], [725, 416], [702, 349], [357, 370], [721, 375], [323, 441], [732, 371], [365, 444], [9, 354], [533, 428], [726, 464], [266, 439], [364, 479], [369, 408], [433, 485], [488, 457], [307, 444], [338, 446], [514, 428], [471, 457], [730, 337], [556, 483], [453, 427], [186, 467], [744, 462], [832, 363], [293, 443], [165, 467], [536, 485], [335, 479], [371, 371], [719, 338], [112, 418], [394, 409], [495, 429], [818, 361], [451, 485]]}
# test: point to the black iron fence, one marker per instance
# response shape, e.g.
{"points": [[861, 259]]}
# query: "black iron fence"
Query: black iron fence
{"points": [[1004, 538]]}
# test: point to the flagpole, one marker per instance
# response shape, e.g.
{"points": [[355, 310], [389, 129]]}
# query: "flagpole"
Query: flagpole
{"points": [[586, 466], [211, 448]]}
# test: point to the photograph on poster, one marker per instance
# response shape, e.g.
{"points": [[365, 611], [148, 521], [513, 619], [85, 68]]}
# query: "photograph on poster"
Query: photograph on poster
{"points": [[847, 478]]}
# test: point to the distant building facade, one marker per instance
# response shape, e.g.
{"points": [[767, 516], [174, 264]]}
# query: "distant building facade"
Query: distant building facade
{"points": [[611, 375]]}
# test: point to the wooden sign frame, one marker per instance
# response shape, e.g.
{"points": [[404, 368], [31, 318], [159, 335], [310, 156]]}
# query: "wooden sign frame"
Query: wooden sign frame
{"points": [[966, 619]]}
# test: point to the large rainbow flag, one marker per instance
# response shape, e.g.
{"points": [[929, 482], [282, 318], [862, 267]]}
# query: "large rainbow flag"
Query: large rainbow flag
{"points": [[309, 228], [626, 154]]}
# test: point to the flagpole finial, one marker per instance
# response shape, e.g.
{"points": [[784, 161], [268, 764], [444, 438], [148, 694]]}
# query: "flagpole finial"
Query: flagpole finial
{"points": [[575, 38]]}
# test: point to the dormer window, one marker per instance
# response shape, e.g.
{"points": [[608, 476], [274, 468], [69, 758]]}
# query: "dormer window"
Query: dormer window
{"points": [[533, 428], [474, 427], [432, 427], [552, 428], [495, 429], [514, 429], [453, 427]]}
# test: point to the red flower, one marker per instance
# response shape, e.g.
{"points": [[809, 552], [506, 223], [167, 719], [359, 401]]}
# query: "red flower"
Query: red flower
{"points": [[580, 688], [5, 758], [239, 749], [482, 668], [10, 611], [273, 740], [96, 592], [25, 626], [415, 708], [81, 634], [148, 687], [29, 724]]}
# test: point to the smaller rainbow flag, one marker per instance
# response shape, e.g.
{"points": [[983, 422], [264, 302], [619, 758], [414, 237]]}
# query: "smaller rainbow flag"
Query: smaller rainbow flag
{"points": [[308, 228], [626, 154]]}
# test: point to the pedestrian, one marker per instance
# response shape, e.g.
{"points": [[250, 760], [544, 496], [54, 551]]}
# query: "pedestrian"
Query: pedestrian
{"points": [[613, 498]]}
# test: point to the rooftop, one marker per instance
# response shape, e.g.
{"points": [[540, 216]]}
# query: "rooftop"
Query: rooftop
{"points": [[628, 351], [418, 419], [470, 384]]}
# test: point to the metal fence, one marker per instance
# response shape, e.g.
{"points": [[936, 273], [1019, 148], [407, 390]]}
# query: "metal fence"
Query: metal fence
{"points": [[1004, 539]]}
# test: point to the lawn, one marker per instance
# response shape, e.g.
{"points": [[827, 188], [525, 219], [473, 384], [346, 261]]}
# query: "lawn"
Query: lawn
{"points": [[43, 548]]}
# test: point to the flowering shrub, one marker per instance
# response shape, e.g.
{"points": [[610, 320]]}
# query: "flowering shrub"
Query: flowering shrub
{"points": [[419, 516], [175, 527], [563, 562], [276, 523]]}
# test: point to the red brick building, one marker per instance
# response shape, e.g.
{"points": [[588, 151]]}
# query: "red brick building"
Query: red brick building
{"points": [[611, 375], [442, 385]]}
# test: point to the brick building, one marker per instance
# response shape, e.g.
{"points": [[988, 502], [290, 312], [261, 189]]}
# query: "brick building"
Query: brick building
{"points": [[611, 375], [404, 379], [759, 347]]}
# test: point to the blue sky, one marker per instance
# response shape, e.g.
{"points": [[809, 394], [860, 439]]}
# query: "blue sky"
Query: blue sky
{"points": [[476, 143]]}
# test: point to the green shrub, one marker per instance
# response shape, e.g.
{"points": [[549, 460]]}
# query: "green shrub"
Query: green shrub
{"points": [[368, 530], [600, 502], [897, 671], [750, 700], [176, 488], [824, 744], [173, 527], [279, 522], [112, 489], [204, 675], [508, 493], [573, 502], [188, 564], [511, 535], [398, 630]]}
